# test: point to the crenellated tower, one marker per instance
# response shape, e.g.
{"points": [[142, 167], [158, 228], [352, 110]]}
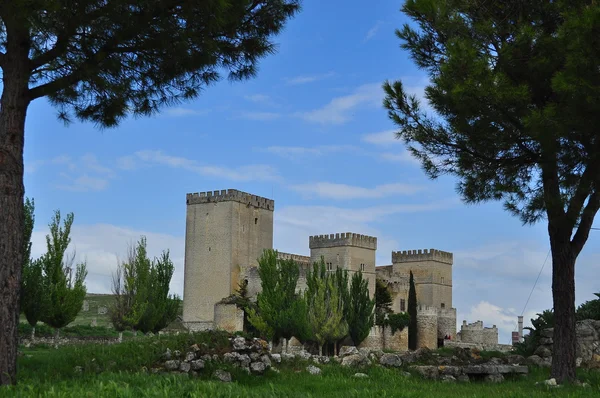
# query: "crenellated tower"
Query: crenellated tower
{"points": [[350, 251], [226, 232]]}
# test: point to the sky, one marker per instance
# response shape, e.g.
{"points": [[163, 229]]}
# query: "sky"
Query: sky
{"points": [[311, 133]]}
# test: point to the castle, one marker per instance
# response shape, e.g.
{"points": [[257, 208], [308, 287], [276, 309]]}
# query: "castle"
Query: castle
{"points": [[228, 230]]}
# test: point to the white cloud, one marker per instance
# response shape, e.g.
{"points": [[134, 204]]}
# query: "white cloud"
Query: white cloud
{"points": [[83, 183], [293, 152], [383, 138], [373, 31], [340, 109], [263, 116], [84, 174], [330, 190], [102, 245], [179, 112], [146, 158], [309, 78], [402, 157]]}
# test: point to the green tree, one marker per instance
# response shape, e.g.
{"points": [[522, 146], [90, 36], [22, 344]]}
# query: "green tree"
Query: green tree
{"points": [[64, 284], [163, 307], [513, 90], [360, 314], [412, 312], [325, 309], [383, 301], [531, 341], [101, 61], [278, 305], [32, 283], [123, 292], [590, 309]]}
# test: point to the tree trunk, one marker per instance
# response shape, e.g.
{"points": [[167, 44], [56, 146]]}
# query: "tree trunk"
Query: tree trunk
{"points": [[13, 109], [321, 350], [120, 337], [563, 295], [32, 334]]}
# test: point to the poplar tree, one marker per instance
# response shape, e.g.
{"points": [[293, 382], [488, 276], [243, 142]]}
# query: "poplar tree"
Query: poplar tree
{"points": [[32, 284], [64, 283], [101, 61], [514, 98], [412, 313]]}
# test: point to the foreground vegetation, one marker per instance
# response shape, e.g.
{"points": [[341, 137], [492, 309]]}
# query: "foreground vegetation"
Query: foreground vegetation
{"points": [[125, 370]]}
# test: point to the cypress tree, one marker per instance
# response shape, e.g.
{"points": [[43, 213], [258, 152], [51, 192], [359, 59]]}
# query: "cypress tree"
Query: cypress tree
{"points": [[412, 312]]}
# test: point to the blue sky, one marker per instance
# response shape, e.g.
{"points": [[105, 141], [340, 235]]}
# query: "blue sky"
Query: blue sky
{"points": [[310, 132]]}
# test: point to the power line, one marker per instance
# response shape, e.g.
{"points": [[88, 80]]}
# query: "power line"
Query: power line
{"points": [[535, 283]]}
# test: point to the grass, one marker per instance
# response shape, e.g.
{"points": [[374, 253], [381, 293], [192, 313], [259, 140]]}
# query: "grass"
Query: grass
{"points": [[125, 370]]}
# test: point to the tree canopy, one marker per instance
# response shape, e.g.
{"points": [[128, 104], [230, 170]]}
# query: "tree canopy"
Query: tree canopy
{"points": [[513, 110], [102, 61]]}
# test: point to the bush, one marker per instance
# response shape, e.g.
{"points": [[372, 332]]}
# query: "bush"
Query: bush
{"points": [[397, 321]]}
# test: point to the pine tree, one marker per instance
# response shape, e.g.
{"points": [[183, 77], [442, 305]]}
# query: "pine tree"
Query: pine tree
{"points": [[513, 114], [360, 315], [412, 312], [64, 289], [102, 61]]}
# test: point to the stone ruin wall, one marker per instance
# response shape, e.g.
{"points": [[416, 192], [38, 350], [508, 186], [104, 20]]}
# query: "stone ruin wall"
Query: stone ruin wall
{"points": [[475, 333]]}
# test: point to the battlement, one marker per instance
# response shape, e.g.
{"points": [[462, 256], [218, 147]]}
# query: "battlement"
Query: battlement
{"points": [[302, 260], [447, 312], [230, 195], [343, 239], [478, 325], [425, 310], [407, 256]]}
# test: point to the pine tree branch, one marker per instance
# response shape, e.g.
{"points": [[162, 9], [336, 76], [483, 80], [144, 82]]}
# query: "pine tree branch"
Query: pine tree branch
{"points": [[585, 224]]}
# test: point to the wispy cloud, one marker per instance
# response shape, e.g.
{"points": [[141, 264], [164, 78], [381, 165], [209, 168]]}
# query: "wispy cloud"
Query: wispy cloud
{"points": [[179, 112], [373, 31], [340, 109], [386, 137], [295, 152], [264, 116], [303, 79], [147, 158], [330, 190], [257, 98], [83, 174]]}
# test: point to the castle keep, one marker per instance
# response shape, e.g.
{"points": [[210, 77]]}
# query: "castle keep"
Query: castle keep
{"points": [[228, 230]]}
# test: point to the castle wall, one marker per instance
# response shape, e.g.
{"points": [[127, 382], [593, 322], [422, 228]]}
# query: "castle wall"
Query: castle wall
{"points": [[225, 230], [229, 317], [427, 327], [381, 338]]}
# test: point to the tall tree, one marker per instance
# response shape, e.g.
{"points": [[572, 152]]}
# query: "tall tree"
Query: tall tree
{"points": [[64, 283], [412, 313], [513, 90], [590, 309], [360, 314], [325, 309], [32, 283], [123, 292], [100, 61]]}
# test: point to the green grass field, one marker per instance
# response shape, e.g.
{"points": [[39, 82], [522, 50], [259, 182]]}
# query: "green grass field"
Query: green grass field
{"points": [[125, 370]]}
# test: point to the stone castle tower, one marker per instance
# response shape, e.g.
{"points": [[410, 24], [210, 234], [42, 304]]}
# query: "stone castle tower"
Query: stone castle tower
{"points": [[226, 232], [352, 252]]}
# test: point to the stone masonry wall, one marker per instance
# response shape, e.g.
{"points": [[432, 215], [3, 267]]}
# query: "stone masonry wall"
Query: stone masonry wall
{"points": [[381, 338], [447, 323], [427, 326], [229, 317]]}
